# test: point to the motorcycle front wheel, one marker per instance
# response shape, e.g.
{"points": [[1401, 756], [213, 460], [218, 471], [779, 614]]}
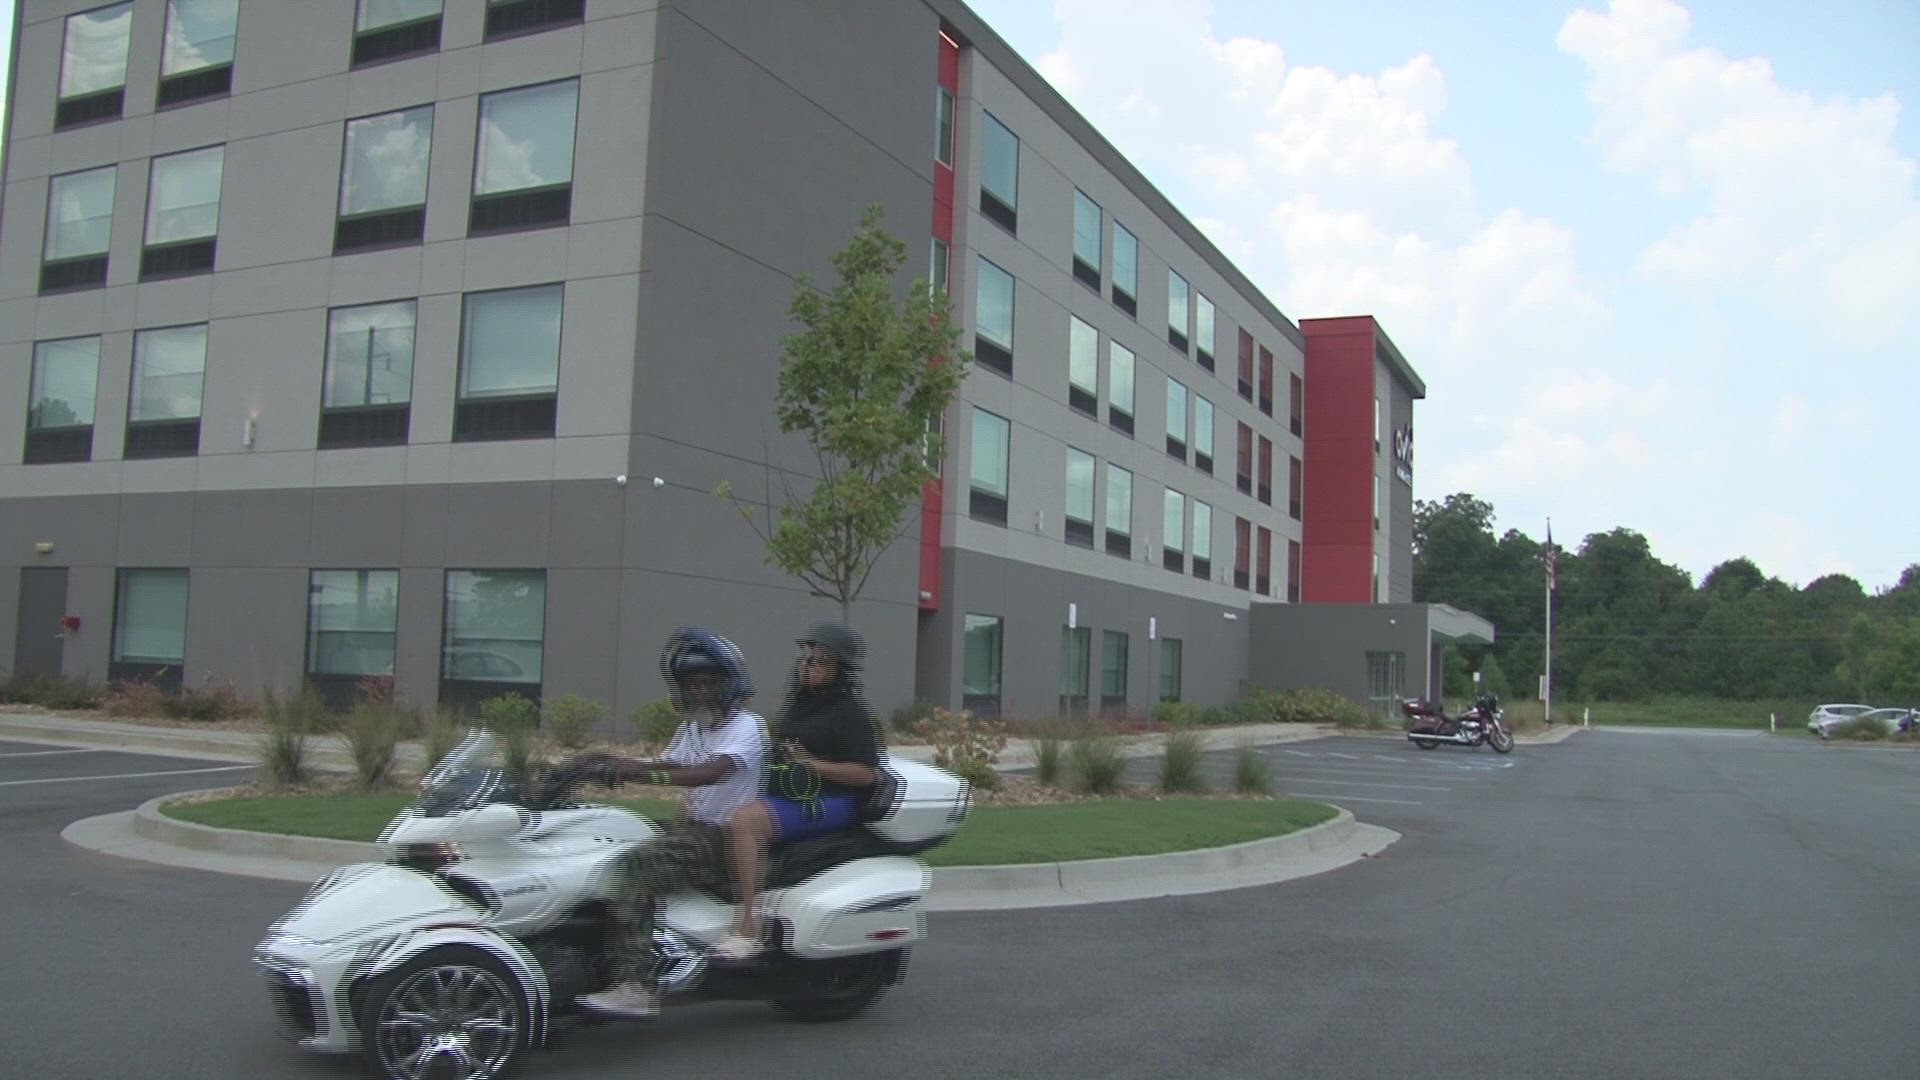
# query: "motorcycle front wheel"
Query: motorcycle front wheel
{"points": [[452, 1012], [1500, 739]]}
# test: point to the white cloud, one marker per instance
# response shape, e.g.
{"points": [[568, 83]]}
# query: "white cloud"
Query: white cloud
{"points": [[1809, 198], [1790, 422]]}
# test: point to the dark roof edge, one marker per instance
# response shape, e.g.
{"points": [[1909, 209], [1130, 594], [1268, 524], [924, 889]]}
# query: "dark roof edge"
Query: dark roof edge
{"points": [[973, 31]]}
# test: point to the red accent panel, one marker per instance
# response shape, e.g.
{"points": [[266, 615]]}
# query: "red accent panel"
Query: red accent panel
{"points": [[948, 76], [949, 65], [1337, 516], [943, 208]]}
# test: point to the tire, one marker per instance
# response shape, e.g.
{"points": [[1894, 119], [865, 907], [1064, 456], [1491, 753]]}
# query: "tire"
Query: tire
{"points": [[856, 982], [455, 992], [1500, 739], [1425, 744]]}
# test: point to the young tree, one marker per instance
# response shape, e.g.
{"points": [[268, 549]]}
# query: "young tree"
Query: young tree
{"points": [[866, 382]]}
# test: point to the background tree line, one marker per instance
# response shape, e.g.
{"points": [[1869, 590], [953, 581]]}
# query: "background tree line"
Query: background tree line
{"points": [[1627, 626]]}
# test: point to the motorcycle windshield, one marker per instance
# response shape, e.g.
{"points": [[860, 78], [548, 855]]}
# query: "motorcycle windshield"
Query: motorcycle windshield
{"points": [[472, 775]]}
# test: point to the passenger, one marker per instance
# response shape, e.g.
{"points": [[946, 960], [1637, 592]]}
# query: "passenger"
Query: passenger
{"points": [[827, 751]]}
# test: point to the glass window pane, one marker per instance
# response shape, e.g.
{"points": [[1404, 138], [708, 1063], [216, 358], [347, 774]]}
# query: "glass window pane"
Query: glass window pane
{"points": [[94, 57], [1086, 230], [1083, 356], [1119, 500], [150, 623], [937, 267], [168, 369], [999, 161], [987, 470], [1176, 411], [510, 343], [1079, 485], [1203, 324], [496, 625], [526, 138], [1076, 651], [375, 14], [370, 355], [1113, 664], [385, 164], [1170, 669], [1120, 377], [80, 213], [65, 376], [1126, 261], [199, 35], [993, 305], [351, 618], [943, 126], [982, 673], [1202, 530], [1173, 522], [1203, 426], [183, 196], [1176, 302]]}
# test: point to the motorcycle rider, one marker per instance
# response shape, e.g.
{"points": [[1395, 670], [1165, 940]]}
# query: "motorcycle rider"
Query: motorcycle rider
{"points": [[719, 752]]}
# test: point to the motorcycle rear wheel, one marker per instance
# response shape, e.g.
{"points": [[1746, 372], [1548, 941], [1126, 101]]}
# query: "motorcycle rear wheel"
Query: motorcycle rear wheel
{"points": [[856, 983], [1425, 744]]}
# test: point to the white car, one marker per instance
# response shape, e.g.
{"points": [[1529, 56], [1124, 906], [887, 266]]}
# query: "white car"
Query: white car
{"points": [[1827, 717]]}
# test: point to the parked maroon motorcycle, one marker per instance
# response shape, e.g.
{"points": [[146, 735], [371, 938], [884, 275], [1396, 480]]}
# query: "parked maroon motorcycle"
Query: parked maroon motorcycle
{"points": [[1428, 725]]}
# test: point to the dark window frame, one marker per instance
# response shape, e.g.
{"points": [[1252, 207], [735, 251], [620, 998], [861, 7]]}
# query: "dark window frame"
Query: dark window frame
{"points": [[397, 41], [179, 258], [73, 274], [506, 418], [192, 87], [404, 226], [521, 18], [1079, 533], [386, 424], [99, 107], [985, 506], [58, 445], [146, 439], [549, 206]]}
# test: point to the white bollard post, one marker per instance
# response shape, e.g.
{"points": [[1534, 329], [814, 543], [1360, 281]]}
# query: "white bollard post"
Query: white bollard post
{"points": [[1773, 723], [1586, 717]]}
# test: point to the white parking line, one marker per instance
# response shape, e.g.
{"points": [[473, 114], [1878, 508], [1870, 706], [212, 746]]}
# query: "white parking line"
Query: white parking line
{"points": [[1349, 798], [48, 753], [1349, 757], [123, 776], [1361, 783], [1297, 753]]}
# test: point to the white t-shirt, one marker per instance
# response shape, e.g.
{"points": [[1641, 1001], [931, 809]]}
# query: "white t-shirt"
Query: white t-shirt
{"points": [[742, 737]]}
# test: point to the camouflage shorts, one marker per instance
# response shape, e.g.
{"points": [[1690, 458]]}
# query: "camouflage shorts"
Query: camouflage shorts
{"points": [[686, 855]]}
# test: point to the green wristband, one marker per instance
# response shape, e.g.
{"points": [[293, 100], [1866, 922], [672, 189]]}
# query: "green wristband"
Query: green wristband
{"points": [[662, 777]]}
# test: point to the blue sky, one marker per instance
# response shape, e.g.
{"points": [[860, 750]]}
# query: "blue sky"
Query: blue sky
{"points": [[1659, 263]]}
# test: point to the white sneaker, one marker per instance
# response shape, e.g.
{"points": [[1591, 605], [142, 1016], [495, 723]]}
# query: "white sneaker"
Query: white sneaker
{"points": [[630, 1000], [736, 947]]}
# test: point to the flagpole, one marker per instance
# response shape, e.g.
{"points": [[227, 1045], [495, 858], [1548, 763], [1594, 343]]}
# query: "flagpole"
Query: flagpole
{"points": [[1549, 671]]}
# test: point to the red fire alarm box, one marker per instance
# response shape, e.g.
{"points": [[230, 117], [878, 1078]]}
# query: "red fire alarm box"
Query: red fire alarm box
{"points": [[69, 623]]}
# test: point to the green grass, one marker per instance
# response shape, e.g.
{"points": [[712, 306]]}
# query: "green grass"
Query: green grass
{"points": [[993, 835]]}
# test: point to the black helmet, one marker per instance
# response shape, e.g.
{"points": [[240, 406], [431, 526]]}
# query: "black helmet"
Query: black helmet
{"points": [[839, 642], [693, 651]]}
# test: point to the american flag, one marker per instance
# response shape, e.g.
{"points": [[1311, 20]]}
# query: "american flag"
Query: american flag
{"points": [[1548, 554]]}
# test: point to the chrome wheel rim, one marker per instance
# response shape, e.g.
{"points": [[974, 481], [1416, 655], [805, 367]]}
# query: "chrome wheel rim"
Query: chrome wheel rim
{"points": [[451, 1020]]}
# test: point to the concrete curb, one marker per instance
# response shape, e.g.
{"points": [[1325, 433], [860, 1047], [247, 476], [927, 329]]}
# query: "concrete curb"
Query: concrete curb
{"points": [[149, 835]]}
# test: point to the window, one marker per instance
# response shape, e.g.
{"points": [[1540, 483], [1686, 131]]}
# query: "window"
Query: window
{"points": [[1263, 582], [352, 616], [1113, 672], [1243, 459], [509, 364], [1176, 419], [1296, 391], [1202, 541], [496, 627], [150, 626], [183, 213], [368, 381], [1083, 367], [1242, 551], [391, 29], [198, 59], [1079, 498], [1170, 669], [1246, 365], [1126, 269], [987, 467], [1266, 470], [523, 167], [993, 318], [383, 180], [79, 225], [1293, 571], [980, 675], [1120, 387], [1376, 425], [1177, 304], [93, 66], [169, 368], [939, 266], [60, 401], [1203, 331], [1086, 240], [1376, 502], [999, 173], [1293, 487], [1173, 532], [510, 18], [1266, 380], [1076, 659], [943, 126], [1376, 577], [1203, 435], [1119, 511]]}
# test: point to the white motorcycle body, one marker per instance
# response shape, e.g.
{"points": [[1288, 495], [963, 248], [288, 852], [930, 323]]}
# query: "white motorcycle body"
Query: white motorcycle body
{"points": [[509, 901]]}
